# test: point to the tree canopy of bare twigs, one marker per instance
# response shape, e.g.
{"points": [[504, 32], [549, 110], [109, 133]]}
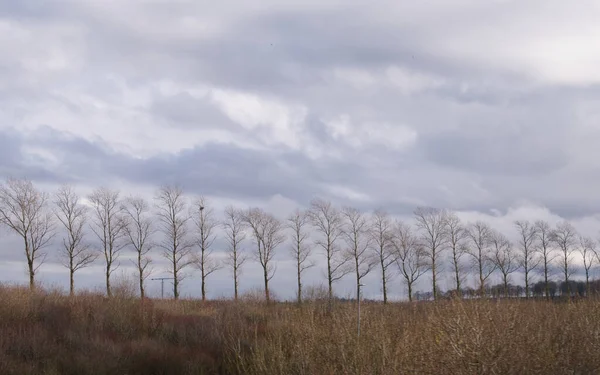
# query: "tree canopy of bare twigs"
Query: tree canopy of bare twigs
{"points": [[24, 210], [139, 230], [544, 248], [328, 222], [410, 257], [268, 233], [358, 241], [587, 248], [176, 245], [528, 259], [109, 226], [480, 235], [565, 238], [504, 257], [300, 250], [234, 227], [457, 236], [431, 222], [75, 252], [381, 237], [205, 231]]}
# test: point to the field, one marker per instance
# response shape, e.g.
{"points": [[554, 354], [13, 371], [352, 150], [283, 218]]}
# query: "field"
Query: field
{"points": [[48, 333]]}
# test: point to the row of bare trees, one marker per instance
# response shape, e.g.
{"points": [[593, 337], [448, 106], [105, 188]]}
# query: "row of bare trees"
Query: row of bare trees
{"points": [[351, 241]]}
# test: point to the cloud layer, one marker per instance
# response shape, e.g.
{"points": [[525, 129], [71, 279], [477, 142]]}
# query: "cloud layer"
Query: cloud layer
{"points": [[478, 107]]}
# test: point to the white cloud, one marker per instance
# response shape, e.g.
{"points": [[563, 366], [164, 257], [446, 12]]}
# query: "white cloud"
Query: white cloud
{"points": [[396, 137]]}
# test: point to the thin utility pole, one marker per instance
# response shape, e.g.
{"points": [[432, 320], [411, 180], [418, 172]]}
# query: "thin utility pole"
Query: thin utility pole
{"points": [[162, 285]]}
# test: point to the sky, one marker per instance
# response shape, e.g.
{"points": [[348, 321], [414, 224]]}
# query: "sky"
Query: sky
{"points": [[490, 109]]}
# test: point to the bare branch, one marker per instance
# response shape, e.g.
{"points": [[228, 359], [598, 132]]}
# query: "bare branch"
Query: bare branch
{"points": [[23, 209], [75, 252], [234, 227], [173, 220], [139, 230], [109, 226]]}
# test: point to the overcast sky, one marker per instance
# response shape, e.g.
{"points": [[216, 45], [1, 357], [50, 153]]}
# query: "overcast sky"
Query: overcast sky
{"points": [[489, 108]]}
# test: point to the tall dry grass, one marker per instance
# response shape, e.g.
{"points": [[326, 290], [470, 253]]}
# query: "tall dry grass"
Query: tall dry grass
{"points": [[48, 333]]}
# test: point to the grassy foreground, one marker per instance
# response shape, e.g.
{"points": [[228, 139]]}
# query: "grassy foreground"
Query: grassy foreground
{"points": [[47, 333]]}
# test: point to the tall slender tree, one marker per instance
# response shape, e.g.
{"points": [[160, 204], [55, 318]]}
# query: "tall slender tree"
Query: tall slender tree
{"points": [[138, 231], [174, 220], [328, 222], [268, 233], [109, 226], [587, 248], [504, 257], [432, 224], [381, 237], [24, 210], [410, 256], [234, 227], [457, 236], [205, 230], [528, 259], [358, 241], [75, 252], [480, 235], [300, 250], [544, 248], [565, 238]]}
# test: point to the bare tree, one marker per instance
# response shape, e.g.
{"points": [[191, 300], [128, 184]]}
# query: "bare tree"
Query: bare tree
{"points": [[205, 227], [109, 226], [268, 233], [410, 257], [176, 246], [381, 236], [457, 236], [75, 252], [23, 209], [528, 258], [432, 224], [544, 248], [480, 235], [234, 227], [358, 241], [139, 231], [328, 222], [504, 257], [301, 252], [565, 238], [587, 248]]}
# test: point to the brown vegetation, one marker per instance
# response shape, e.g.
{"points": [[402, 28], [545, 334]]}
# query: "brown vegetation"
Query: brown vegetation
{"points": [[48, 333]]}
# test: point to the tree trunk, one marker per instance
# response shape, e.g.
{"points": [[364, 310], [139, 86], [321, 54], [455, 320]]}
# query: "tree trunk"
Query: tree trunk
{"points": [[266, 275], [434, 277], [457, 276], [481, 281], [175, 279], [108, 290], [587, 283], [203, 285], [71, 282], [409, 291], [31, 277], [546, 286], [526, 284], [566, 265], [235, 283], [141, 278], [384, 284], [299, 285], [505, 286]]}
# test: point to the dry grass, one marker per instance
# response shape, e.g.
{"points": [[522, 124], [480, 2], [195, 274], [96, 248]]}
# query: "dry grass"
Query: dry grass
{"points": [[47, 333]]}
